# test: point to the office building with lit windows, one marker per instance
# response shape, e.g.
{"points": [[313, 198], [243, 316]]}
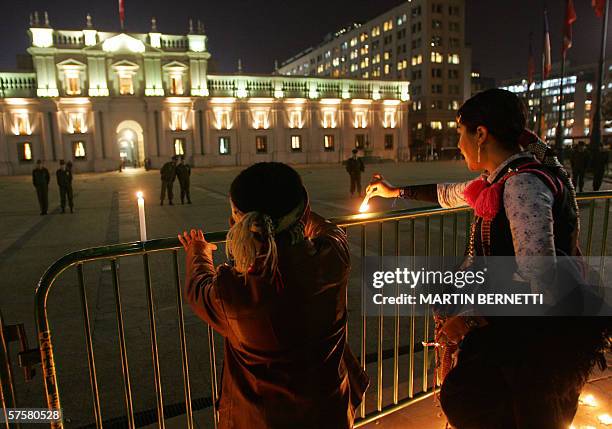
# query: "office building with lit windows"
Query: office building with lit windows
{"points": [[577, 106], [421, 41], [102, 98]]}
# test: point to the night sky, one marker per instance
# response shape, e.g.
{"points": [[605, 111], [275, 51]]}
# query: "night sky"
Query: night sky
{"points": [[259, 32]]}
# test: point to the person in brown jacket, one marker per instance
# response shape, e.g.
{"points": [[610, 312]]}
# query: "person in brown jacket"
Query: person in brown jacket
{"points": [[281, 305]]}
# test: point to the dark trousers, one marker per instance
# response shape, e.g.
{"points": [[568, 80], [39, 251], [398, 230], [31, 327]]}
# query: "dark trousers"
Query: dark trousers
{"points": [[578, 179], [484, 392], [66, 191], [598, 175], [166, 186], [43, 198], [185, 191], [355, 183]]}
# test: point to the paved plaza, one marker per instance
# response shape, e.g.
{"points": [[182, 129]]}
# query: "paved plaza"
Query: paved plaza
{"points": [[106, 213]]}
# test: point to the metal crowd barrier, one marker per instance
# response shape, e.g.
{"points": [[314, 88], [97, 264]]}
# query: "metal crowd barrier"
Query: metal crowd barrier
{"points": [[430, 231]]}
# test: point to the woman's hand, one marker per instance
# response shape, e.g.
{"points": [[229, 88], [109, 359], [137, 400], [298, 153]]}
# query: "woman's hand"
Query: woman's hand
{"points": [[196, 236], [379, 187]]}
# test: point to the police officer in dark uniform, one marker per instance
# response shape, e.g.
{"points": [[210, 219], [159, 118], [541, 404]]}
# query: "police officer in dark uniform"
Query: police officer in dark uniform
{"points": [[168, 175], [64, 182], [354, 167], [40, 179], [183, 171]]}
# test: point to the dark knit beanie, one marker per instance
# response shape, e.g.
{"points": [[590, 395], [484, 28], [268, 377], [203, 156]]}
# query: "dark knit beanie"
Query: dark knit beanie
{"points": [[272, 188]]}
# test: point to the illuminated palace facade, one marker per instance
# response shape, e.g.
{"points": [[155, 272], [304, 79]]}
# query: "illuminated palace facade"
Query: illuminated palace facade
{"points": [[97, 98]]}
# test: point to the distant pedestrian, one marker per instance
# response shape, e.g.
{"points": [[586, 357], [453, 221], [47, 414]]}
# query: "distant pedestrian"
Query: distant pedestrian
{"points": [[354, 167], [183, 172], [40, 179], [579, 160], [64, 182], [168, 175], [600, 165]]}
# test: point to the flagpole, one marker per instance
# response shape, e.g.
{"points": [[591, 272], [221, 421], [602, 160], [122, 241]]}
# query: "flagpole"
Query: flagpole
{"points": [[559, 134], [541, 120], [596, 136]]}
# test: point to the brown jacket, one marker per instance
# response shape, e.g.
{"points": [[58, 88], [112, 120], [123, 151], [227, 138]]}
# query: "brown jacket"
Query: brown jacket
{"points": [[287, 363]]}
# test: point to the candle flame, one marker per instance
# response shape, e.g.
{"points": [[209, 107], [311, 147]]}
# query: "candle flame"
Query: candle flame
{"points": [[588, 400], [605, 419], [139, 194], [364, 207]]}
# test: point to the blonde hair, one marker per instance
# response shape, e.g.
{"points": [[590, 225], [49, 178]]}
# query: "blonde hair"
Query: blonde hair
{"points": [[247, 239]]}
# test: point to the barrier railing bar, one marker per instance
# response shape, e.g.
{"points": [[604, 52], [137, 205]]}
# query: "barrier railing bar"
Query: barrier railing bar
{"points": [[363, 312], [426, 317], [396, 337], [127, 387], [379, 361], [604, 242], [412, 317], [183, 341], [213, 374], [93, 380], [155, 355]]}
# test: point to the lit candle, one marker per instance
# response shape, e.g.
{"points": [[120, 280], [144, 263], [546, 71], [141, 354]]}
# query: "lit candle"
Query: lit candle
{"points": [[364, 207], [588, 400], [605, 419], [141, 216]]}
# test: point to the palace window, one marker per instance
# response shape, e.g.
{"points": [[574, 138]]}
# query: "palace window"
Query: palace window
{"points": [[417, 59], [329, 118], [388, 25], [224, 145], [176, 84], [222, 118], [21, 124], [360, 119], [389, 118], [261, 144], [296, 143], [178, 120], [24, 151], [436, 125], [453, 58], [328, 143], [76, 123], [260, 119], [360, 141], [388, 141], [179, 146], [73, 82], [295, 119], [78, 149]]}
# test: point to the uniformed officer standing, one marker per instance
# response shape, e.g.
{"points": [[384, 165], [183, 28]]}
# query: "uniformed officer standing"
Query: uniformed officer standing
{"points": [[183, 171], [40, 179], [168, 175], [64, 182], [354, 167]]}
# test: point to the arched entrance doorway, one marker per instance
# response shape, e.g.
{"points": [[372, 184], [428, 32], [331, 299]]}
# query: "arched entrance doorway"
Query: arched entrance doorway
{"points": [[131, 143]]}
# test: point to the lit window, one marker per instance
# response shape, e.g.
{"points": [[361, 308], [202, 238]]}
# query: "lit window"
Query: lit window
{"points": [[179, 147], [21, 124], [436, 57], [452, 59], [360, 119], [389, 119], [353, 41], [176, 84], [296, 143], [329, 118], [224, 145], [436, 125], [387, 69], [363, 37], [295, 119], [261, 144], [126, 85], [73, 82], [328, 143], [178, 120], [24, 151], [388, 25], [76, 123], [222, 118], [359, 141], [419, 125], [78, 149], [451, 124], [416, 59], [376, 59], [388, 141], [260, 120], [364, 50], [587, 122], [376, 31]]}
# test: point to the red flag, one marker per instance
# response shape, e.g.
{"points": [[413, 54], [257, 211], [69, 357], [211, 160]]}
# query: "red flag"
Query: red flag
{"points": [[531, 62], [121, 13], [547, 57], [570, 18], [599, 6]]}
